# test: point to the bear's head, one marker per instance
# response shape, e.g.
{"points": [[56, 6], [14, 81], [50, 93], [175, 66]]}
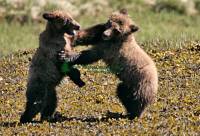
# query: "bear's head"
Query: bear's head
{"points": [[119, 26], [61, 22]]}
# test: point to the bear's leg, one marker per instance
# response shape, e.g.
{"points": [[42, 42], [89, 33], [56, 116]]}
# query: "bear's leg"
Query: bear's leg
{"points": [[49, 104], [33, 105], [74, 75], [133, 105], [31, 110]]}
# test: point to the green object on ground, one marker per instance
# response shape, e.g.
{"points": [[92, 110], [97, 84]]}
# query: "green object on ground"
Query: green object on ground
{"points": [[65, 68]]}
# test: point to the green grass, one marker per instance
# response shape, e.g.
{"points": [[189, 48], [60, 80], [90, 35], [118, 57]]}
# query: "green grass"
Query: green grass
{"points": [[153, 26], [167, 26], [15, 37]]}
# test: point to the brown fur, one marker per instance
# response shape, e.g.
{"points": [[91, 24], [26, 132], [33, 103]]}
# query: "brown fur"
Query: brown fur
{"points": [[116, 45], [44, 73]]}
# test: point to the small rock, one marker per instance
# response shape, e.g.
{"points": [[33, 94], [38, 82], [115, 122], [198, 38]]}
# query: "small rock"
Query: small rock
{"points": [[1, 78]]}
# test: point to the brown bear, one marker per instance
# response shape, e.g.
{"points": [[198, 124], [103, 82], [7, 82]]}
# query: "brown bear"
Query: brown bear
{"points": [[114, 42], [44, 72]]}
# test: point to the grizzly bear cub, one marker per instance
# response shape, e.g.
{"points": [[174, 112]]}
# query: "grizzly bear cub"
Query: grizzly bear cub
{"points": [[44, 73], [114, 42]]}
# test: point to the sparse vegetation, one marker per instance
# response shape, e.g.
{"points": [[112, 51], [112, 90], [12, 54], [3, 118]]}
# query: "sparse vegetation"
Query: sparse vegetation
{"points": [[171, 39]]}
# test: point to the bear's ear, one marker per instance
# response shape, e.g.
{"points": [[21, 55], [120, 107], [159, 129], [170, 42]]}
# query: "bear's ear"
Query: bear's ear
{"points": [[124, 11], [49, 16], [134, 28]]}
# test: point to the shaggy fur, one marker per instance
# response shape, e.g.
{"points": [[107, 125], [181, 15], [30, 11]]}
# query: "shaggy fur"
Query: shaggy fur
{"points": [[114, 42], [44, 72]]}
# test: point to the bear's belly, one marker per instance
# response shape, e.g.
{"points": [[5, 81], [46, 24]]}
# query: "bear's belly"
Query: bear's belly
{"points": [[122, 67], [129, 76]]}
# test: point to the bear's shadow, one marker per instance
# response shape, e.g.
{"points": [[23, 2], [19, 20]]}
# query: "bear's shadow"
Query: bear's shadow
{"points": [[109, 115], [60, 118]]}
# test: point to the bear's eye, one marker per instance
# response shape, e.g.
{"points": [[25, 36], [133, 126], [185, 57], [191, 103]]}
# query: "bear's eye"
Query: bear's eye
{"points": [[120, 22], [66, 21]]}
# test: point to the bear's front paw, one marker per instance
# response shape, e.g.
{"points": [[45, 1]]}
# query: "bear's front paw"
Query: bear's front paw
{"points": [[72, 57], [25, 119], [62, 56]]}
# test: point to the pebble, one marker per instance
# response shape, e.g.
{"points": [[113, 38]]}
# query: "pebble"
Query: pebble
{"points": [[1, 78]]}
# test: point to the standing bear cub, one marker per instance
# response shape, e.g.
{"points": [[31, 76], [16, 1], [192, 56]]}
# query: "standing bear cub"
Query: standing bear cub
{"points": [[44, 73], [114, 42]]}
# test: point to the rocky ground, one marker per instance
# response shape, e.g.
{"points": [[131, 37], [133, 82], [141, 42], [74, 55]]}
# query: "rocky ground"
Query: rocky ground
{"points": [[95, 109]]}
